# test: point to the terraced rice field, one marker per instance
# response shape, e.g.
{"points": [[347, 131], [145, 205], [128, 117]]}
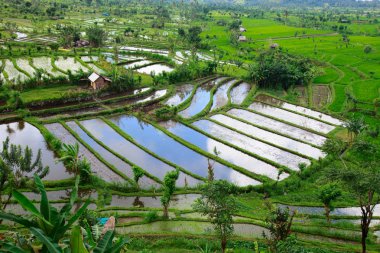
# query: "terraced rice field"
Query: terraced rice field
{"points": [[69, 64], [156, 69], [44, 63], [265, 142], [24, 65], [13, 74]]}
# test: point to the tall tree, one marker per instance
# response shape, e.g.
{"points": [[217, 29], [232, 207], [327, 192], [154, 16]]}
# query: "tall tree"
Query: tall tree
{"points": [[69, 35], [218, 203], [364, 182], [327, 194], [169, 188], [96, 36]]}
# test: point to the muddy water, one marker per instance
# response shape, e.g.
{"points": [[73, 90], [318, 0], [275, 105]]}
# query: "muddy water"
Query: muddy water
{"points": [[291, 117], [239, 93], [225, 152], [183, 92], [299, 109], [200, 99], [157, 69], [278, 126], [168, 148], [256, 147], [182, 201], [24, 134], [261, 134], [220, 97], [100, 130], [97, 167], [144, 182]]}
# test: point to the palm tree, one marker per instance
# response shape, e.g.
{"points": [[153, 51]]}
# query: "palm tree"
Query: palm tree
{"points": [[71, 157], [355, 126]]}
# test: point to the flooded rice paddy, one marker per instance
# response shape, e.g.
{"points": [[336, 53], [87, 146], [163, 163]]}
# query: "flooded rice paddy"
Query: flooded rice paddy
{"points": [[225, 152], [156, 69], [200, 99], [96, 165], [166, 147], [182, 201], [278, 126], [122, 166], [299, 109], [291, 117], [256, 147], [267, 136], [104, 133], [183, 92], [24, 134], [239, 93], [220, 97]]}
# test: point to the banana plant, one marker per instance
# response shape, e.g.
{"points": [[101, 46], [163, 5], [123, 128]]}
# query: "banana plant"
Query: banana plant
{"points": [[48, 224]]}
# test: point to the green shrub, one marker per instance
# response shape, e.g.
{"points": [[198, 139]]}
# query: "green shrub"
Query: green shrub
{"points": [[151, 216]]}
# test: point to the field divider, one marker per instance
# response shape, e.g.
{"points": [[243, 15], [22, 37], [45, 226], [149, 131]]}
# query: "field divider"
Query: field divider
{"points": [[53, 59], [278, 166], [295, 112], [2, 70], [116, 154], [258, 177], [97, 155], [228, 104], [258, 139], [207, 108], [19, 69], [283, 121], [267, 129], [134, 142]]}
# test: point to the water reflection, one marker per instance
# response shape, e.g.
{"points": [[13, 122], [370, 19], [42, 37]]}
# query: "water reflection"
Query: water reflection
{"points": [[227, 153], [120, 145], [200, 99], [256, 147], [220, 97], [239, 93], [122, 166], [299, 109], [261, 134], [24, 134], [183, 92], [291, 117], [278, 126], [166, 147]]}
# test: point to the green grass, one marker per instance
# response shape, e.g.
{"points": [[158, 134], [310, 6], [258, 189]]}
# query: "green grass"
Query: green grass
{"points": [[46, 93], [366, 90], [339, 98], [330, 75]]}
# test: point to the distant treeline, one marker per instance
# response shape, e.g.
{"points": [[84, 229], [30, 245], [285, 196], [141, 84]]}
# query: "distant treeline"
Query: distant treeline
{"points": [[312, 3]]}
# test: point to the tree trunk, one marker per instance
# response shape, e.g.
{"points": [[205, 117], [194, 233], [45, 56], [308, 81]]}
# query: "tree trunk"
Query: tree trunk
{"points": [[327, 213], [166, 212], [224, 244]]}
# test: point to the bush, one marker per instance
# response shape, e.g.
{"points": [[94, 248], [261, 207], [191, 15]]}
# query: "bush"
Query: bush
{"points": [[151, 216]]}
